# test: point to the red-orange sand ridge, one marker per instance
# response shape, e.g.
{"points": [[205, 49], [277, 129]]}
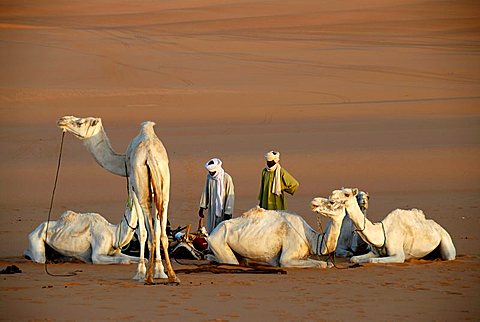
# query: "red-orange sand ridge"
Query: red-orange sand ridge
{"points": [[382, 96]]}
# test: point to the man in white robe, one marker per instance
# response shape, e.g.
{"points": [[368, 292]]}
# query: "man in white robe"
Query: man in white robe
{"points": [[217, 196]]}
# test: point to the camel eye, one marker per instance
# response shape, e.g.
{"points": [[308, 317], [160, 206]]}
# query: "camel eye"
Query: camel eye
{"points": [[347, 195]]}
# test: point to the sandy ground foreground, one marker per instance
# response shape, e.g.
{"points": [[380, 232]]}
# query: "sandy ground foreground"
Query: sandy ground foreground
{"points": [[379, 95]]}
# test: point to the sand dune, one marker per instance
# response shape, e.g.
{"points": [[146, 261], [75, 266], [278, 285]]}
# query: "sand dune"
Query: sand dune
{"points": [[383, 96]]}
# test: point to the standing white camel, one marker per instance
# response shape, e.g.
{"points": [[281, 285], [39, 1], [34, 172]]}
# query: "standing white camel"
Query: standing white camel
{"points": [[146, 165], [349, 242], [401, 235], [276, 237], [85, 236]]}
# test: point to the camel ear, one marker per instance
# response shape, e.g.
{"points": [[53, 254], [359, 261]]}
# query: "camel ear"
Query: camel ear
{"points": [[96, 121], [355, 191]]}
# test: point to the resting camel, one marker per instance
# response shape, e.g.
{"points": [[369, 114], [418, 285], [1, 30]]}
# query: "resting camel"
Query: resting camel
{"points": [[146, 165], [85, 236], [401, 235], [278, 238], [349, 243]]}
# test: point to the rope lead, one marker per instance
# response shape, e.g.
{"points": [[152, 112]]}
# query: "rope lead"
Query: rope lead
{"points": [[50, 209]]}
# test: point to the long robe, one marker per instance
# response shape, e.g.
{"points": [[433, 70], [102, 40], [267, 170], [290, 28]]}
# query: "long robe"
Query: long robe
{"points": [[269, 200], [207, 200]]}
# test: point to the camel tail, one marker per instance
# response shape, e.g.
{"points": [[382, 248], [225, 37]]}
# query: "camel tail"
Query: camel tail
{"points": [[160, 181]]}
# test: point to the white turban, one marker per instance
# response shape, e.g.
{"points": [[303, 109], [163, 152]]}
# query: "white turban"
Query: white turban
{"points": [[277, 184], [273, 156], [215, 165]]}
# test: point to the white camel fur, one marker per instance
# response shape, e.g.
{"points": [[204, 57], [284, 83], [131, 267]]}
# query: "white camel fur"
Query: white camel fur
{"points": [[400, 236], [278, 238], [349, 242], [146, 165], [88, 237]]}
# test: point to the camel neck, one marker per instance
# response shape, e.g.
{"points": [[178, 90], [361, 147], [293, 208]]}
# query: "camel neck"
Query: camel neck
{"points": [[371, 233], [125, 229], [99, 146], [330, 241]]}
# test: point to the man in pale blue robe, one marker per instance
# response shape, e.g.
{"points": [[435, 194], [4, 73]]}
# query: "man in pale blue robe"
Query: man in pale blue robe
{"points": [[218, 195]]}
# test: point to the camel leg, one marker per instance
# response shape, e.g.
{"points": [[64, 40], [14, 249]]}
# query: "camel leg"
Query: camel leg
{"points": [[397, 258], [291, 256], [363, 258], [142, 237], [152, 246], [36, 243], [172, 278], [159, 270], [98, 258], [224, 254], [130, 259], [217, 242], [301, 263], [140, 187], [446, 247], [294, 251], [396, 254]]}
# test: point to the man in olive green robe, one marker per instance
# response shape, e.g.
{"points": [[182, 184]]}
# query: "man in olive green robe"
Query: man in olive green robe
{"points": [[218, 195], [274, 182]]}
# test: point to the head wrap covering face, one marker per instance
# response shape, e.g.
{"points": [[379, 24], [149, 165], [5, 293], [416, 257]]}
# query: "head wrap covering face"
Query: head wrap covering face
{"points": [[215, 165], [273, 156], [277, 183]]}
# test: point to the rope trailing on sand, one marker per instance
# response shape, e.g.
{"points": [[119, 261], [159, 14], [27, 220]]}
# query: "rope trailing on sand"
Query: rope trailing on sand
{"points": [[50, 209], [232, 269]]}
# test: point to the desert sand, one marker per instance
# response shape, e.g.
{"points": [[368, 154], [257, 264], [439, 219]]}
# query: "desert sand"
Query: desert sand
{"points": [[379, 95]]}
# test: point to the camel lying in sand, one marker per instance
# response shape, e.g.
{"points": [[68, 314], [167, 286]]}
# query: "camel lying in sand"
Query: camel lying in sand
{"points": [[349, 242], [278, 238], [88, 237], [146, 166], [401, 235]]}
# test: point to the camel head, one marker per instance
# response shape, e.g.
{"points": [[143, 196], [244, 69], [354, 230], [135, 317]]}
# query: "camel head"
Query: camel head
{"points": [[344, 195], [82, 128], [327, 208], [363, 199]]}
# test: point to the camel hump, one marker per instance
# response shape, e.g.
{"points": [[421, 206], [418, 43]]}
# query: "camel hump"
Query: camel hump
{"points": [[147, 130], [414, 212], [68, 216], [254, 212], [407, 215], [148, 125]]}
